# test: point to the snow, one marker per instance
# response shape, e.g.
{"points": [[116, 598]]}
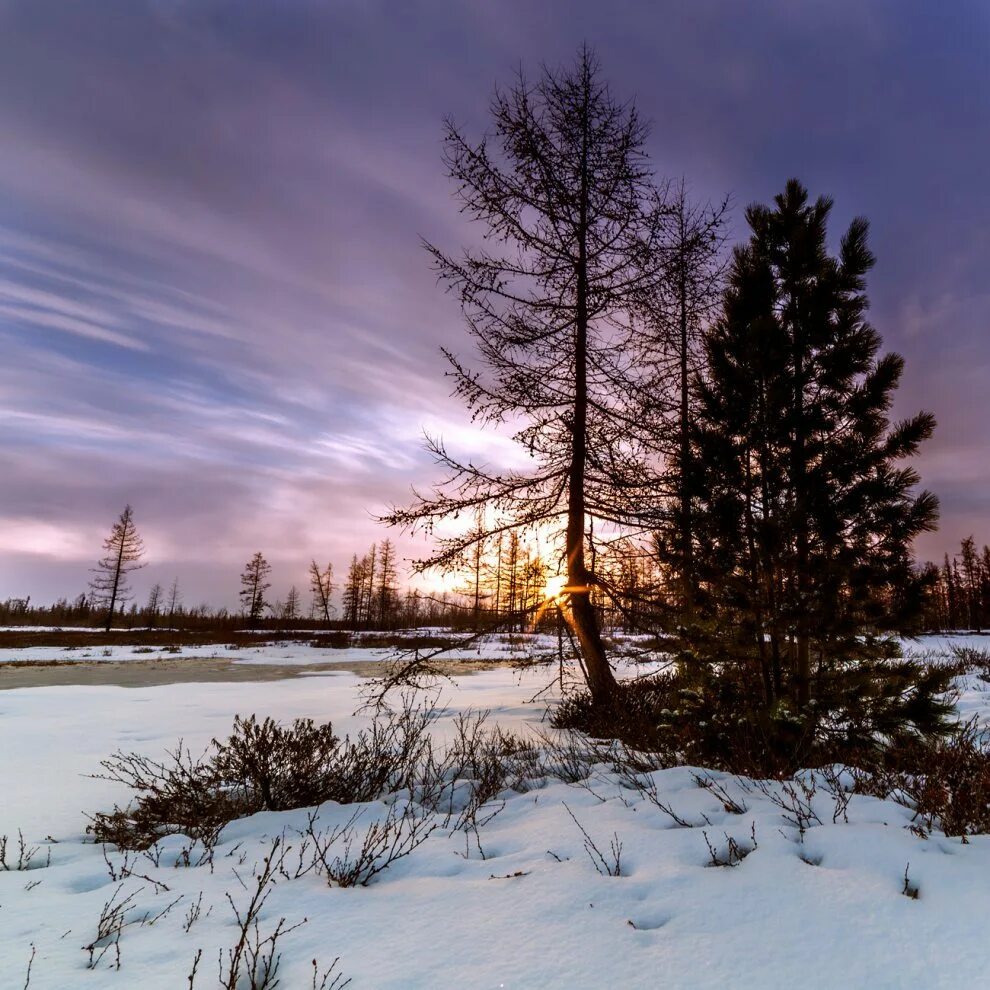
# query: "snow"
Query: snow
{"points": [[824, 910], [278, 653]]}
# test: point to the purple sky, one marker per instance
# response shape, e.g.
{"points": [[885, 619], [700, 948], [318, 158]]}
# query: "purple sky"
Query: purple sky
{"points": [[214, 305]]}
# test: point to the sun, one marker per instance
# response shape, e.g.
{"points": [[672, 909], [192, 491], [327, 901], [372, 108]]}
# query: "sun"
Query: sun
{"points": [[555, 587]]}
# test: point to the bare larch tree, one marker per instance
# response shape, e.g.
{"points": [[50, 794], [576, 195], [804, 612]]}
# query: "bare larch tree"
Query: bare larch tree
{"points": [[683, 307], [575, 230], [321, 585], [290, 609], [386, 593], [124, 548], [253, 588], [154, 605], [174, 600]]}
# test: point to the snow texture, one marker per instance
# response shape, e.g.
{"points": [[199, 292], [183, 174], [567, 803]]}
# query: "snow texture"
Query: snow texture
{"points": [[826, 908]]}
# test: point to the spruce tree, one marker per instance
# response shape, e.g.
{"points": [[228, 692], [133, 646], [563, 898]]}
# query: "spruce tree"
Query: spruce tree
{"points": [[370, 565], [352, 592], [984, 595], [290, 610], [970, 564], [951, 595], [805, 509]]}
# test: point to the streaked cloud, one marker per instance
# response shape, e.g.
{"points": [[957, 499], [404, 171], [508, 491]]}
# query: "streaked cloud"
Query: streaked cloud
{"points": [[213, 303]]}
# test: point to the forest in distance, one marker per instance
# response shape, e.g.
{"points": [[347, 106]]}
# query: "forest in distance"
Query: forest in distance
{"points": [[503, 591]]}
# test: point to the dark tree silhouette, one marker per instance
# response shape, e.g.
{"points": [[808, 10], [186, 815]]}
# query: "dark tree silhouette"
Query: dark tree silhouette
{"points": [[124, 548], [253, 588], [353, 592], [154, 605], [575, 230], [321, 585], [806, 514], [688, 299], [290, 609], [174, 600], [386, 592]]}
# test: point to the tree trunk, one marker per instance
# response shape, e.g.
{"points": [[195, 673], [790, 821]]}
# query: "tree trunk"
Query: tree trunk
{"points": [[116, 583], [798, 466], [477, 595], [687, 538], [755, 586], [601, 682]]}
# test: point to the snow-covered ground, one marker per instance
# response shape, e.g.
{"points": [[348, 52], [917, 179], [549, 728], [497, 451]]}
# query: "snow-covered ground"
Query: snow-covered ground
{"points": [[277, 653], [825, 910]]}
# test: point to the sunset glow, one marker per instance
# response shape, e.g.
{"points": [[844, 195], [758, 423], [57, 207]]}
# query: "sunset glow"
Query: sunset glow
{"points": [[556, 587], [282, 341]]}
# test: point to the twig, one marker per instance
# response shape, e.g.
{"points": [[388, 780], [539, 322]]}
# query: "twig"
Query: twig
{"points": [[606, 867]]}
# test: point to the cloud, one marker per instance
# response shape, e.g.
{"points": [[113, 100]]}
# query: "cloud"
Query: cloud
{"points": [[213, 302]]}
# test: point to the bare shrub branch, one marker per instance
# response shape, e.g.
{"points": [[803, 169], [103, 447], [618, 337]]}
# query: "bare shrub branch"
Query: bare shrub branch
{"points": [[607, 866], [26, 855]]}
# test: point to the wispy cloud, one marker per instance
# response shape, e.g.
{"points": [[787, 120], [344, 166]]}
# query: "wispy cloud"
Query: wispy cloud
{"points": [[213, 302]]}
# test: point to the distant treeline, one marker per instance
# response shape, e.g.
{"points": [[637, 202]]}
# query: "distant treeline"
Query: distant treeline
{"points": [[410, 609], [959, 590], [504, 587]]}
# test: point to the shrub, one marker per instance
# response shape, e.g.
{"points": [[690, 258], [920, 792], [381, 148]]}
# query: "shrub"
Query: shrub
{"points": [[279, 767], [384, 842], [332, 640], [675, 719], [175, 795], [261, 766], [946, 782], [265, 766], [26, 855], [716, 716]]}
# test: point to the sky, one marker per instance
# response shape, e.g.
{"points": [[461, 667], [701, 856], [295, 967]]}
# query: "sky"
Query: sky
{"points": [[214, 303]]}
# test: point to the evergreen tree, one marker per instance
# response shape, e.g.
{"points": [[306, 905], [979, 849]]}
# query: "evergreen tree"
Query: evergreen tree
{"points": [[253, 588], [805, 510], [369, 565], [970, 567], [123, 549], [984, 588], [951, 595]]}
